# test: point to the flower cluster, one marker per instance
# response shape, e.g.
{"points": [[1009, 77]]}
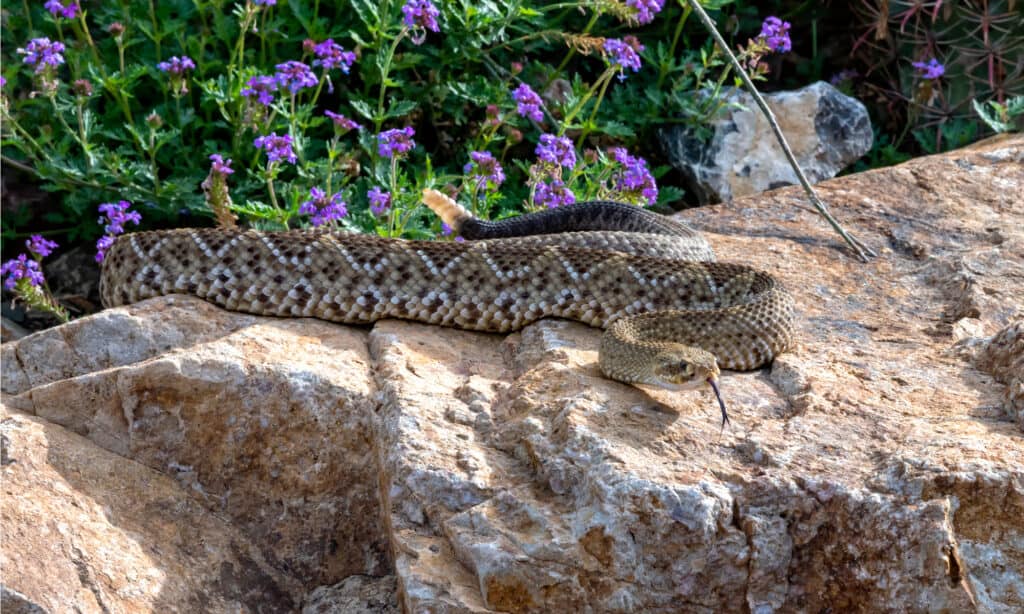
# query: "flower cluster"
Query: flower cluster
{"points": [[485, 169], [634, 178], [528, 102], [395, 142], [645, 9], [23, 268], [294, 76], [215, 189], [322, 208], [220, 166], [113, 218], [20, 268], [341, 123], [177, 66], [40, 246], [553, 193], [43, 54], [420, 16], [330, 55], [625, 53], [277, 147], [775, 34], [380, 201], [262, 87], [556, 150], [932, 69], [68, 10]]}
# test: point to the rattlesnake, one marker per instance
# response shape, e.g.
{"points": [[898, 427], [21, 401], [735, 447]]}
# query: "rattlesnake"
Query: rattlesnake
{"points": [[672, 316]]}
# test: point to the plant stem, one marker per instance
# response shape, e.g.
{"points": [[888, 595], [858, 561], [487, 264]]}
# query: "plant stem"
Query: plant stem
{"points": [[572, 52], [392, 214], [601, 81], [663, 69], [593, 114], [378, 119], [862, 251]]}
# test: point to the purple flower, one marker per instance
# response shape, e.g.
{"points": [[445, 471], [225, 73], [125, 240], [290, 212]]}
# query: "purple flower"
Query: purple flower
{"points": [[3, 81], [553, 194], [447, 231], [933, 69], [528, 102], [277, 147], [624, 52], [332, 55], [264, 2], [262, 88], [219, 166], [102, 245], [485, 169], [113, 217], [380, 201], [645, 9], [42, 53], [323, 209], [634, 178], [67, 11], [556, 150], [420, 15], [775, 33], [342, 123], [40, 246], [394, 142], [295, 76], [21, 268], [177, 66]]}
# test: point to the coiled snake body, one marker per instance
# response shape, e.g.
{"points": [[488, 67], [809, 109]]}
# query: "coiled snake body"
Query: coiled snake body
{"points": [[671, 315]]}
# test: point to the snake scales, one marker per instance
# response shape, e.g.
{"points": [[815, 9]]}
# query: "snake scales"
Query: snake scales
{"points": [[672, 316]]}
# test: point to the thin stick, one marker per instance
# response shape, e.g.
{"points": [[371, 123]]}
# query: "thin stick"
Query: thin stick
{"points": [[862, 251]]}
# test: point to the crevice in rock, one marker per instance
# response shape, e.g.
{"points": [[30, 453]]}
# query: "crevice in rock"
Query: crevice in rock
{"points": [[85, 577]]}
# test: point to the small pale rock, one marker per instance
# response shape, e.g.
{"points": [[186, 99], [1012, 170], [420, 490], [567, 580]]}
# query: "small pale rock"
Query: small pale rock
{"points": [[826, 129]]}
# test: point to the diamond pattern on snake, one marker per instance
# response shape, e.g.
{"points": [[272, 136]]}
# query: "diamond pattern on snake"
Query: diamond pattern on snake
{"points": [[672, 316]]}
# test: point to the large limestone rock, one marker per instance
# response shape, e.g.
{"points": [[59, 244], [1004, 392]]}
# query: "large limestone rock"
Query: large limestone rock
{"points": [[171, 456], [826, 129]]}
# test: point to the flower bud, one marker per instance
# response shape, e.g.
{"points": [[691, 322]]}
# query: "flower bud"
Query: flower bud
{"points": [[154, 121], [116, 29], [82, 87]]}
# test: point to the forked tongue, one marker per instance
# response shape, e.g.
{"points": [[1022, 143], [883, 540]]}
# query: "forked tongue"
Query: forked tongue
{"points": [[721, 403]]}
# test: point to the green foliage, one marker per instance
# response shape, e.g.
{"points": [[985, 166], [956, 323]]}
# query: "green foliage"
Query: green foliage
{"points": [[110, 124], [1001, 117]]}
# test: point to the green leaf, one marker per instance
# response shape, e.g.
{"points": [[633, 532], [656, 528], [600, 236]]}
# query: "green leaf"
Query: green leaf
{"points": [[670, 194], [990, 118], [362, 108], [400, 108]]}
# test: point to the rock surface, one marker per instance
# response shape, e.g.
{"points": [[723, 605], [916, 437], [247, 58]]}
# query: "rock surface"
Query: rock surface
{"points": [[826, 129], [171, 454]]}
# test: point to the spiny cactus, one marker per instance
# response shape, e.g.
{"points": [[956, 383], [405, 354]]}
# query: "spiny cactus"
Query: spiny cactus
{"points": [[928, 60]]}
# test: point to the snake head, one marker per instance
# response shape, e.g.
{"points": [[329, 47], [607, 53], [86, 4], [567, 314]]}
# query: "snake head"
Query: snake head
{"points": [[683, 368]]}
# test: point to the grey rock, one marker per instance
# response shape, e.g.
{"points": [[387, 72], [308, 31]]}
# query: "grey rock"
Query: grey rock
{"points": [[826, 129], [355, 595]]}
